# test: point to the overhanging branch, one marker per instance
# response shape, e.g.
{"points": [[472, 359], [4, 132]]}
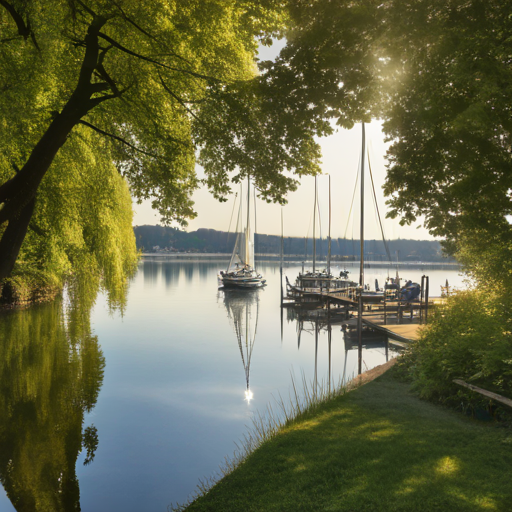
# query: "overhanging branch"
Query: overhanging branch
{"points": [[155, 62], [178, 99], [24, 29], [119, 139], [145, 32]]}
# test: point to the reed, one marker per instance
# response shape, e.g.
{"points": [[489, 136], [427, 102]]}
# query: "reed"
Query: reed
{"points": [[303, 400], [376, 448]]}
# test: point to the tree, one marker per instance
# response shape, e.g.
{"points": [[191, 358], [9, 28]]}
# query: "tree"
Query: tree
{"points": [[149, 82], [449, 117], [438, 73]]}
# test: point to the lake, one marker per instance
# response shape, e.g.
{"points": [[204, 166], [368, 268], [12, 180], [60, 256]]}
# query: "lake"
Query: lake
{"points": [[154, 398]]}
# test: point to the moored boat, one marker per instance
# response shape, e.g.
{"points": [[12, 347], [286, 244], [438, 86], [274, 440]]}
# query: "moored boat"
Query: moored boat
{"points": [[241, 271]]}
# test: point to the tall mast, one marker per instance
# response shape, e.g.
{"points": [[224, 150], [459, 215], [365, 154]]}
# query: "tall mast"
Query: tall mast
{"points": [[253, 263], [314, 223], [361, 269], [329, 246], [248, 228]]}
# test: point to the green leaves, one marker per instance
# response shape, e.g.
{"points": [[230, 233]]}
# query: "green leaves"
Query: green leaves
{"points": [[469, 338], [138, 87], [450, 119]]}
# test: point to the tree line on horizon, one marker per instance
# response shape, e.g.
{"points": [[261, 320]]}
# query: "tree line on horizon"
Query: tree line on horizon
{"points": [[168, 239]]}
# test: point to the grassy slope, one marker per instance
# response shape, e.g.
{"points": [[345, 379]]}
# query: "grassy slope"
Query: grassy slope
{"points": [[377, 448]]}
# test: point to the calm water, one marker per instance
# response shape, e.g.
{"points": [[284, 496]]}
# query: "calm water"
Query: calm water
{"points": [[162, 390]]}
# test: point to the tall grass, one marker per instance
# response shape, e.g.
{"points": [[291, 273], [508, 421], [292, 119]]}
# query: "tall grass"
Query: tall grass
{"points": [[304, 398]]}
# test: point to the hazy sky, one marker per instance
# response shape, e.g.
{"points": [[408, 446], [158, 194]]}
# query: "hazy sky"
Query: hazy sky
{"points": [[341, 156]]}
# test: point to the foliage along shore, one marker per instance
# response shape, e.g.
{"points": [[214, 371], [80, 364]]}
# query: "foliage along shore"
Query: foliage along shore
{"points": [[23, 292]]}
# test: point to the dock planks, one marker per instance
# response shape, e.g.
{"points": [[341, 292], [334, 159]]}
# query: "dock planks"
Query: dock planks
{"points": [[399, 332]]}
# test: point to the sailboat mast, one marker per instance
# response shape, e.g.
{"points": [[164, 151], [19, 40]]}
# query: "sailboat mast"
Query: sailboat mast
{"points": [[248, 228], [314, 224], [361, 268], [253, 263], [329, 246]]}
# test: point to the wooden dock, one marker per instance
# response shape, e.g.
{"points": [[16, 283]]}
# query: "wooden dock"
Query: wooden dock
{"points": [[400, 332]]}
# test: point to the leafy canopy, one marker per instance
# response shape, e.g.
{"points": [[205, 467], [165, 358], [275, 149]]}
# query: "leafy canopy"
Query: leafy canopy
{"points": [[438, 73], [91, 88]]}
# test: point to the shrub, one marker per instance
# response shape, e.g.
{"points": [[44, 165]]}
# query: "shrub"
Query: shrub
{"points": [[468, 338]]}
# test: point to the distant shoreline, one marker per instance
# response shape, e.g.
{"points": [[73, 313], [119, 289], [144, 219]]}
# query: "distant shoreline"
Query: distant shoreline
{"points": [[296, 260]]}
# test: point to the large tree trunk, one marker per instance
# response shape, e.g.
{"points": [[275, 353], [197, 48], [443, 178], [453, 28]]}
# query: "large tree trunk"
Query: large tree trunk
{"points": [[18, 195], [13, 237]]}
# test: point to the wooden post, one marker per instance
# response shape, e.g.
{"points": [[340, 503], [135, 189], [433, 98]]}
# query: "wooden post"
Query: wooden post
{"points": [[426, 299], [422, 293], [385, 309]]}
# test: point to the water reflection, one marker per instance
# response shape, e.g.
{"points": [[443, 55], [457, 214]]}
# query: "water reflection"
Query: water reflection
{"points": [[243, 307], [171, 274], [316, 321], [171, 270], [51, 371], [150, 271]]}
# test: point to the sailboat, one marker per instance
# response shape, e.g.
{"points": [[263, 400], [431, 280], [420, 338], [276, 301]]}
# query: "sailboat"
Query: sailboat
{"points": [[318, 281], [241, 271]]}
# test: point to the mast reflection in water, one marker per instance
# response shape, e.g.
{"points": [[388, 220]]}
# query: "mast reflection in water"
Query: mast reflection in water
{"points": [[243, 308], [315, 321]]}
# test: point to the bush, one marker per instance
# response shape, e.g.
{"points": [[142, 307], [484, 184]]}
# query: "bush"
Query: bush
{"points": [[468, 338]]}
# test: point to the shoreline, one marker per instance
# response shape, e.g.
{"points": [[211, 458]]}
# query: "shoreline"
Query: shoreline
{"points": [[295, 259], [376, 447]]}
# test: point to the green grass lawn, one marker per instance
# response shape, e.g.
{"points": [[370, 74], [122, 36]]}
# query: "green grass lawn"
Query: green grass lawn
{"points": [[377, 448]]}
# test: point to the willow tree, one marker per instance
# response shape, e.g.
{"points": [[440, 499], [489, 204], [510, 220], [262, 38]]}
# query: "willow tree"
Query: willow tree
{"points": [[138, 87]]}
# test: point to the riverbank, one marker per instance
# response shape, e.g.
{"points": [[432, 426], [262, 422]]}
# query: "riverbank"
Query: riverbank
{"points": [[376, 448]]}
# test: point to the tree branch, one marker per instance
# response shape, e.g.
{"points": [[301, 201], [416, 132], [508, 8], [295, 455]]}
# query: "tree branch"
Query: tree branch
{"points": [[94, 102], [7, 39], [178, 99], [91, 51], [119, 139], [103, 73], [86, 8], [145, 32], [24, 29], [99, 87], [152, 61]]}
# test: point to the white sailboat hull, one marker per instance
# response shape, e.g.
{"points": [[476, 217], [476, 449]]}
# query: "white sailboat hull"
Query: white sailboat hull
{"points": [[243, 278]]}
